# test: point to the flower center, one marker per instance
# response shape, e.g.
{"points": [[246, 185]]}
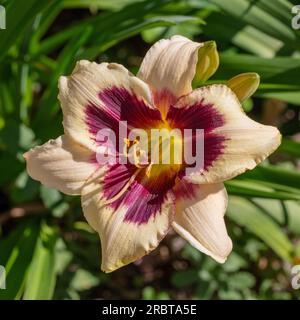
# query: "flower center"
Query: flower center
{"points": [[160, 154]]}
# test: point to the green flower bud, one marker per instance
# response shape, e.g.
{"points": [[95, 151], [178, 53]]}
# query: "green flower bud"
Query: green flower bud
{"points": [[208, 62], [244, 85]]}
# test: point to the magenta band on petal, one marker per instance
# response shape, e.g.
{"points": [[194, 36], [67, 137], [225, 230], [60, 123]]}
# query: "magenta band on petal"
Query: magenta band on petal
{"points": [[97, 119], [142, 197], [120, 105], [142, 200], [130, 108], [142, 204], [201, 116], [116, 178]]}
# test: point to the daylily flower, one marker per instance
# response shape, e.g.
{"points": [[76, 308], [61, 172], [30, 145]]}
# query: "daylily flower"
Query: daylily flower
{"points": [[133, 207]]}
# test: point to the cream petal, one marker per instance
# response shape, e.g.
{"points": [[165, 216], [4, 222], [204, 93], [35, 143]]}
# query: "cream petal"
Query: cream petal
{"points": [[124, 237], [92, 99], [199, 218], [171, 65], [233, 143], [61, 164]]}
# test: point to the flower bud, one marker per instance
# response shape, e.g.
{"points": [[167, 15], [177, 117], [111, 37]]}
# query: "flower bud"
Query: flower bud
{"points": [[208, 62], [244, 85]]}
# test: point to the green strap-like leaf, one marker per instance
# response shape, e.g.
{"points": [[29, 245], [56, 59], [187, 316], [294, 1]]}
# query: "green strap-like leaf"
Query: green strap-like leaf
{"points": [[41, 279], [18, 17], [248, 215], [17, 251]]}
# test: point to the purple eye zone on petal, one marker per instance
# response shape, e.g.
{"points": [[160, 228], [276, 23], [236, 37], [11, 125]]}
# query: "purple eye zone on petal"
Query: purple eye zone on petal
{"points": [[119, 104], [144, 197], [143, 203], [142, 200], [200, 116]]}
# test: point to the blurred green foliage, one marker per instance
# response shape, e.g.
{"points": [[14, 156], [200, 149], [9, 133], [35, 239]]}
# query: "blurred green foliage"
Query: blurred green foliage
{"points": [[48, 249]]}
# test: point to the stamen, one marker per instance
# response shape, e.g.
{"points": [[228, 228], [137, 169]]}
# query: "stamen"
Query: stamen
{"points": [[148, 170], [137, 152], [136, 157], [127, 144]]}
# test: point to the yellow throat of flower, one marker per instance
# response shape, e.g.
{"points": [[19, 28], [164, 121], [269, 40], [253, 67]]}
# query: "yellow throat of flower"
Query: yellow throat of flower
{"points": [[163, 151]]}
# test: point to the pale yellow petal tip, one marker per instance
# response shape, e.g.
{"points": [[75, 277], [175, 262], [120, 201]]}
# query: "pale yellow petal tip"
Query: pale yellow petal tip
{"points": [[224, 254], [63, 82], [275, 138], [111, 262], [63, 89], [111, 267], [177, 37], [81, 64], [279, 139], [105, 270]]}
